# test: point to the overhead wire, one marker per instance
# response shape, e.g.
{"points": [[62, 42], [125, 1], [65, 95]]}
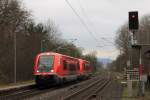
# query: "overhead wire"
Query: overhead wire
{"points": [[89, 21], [107, 40], [82, 21], [84, 12], [85, 25]]}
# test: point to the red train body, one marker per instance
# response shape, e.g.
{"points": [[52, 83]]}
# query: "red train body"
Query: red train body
{"points": [[85, 68], [54, 68]]}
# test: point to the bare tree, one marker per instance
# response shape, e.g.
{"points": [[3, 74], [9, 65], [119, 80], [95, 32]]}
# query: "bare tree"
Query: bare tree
{"points": [[16, 21], [12, 18], [122, 39], [142, 36]]}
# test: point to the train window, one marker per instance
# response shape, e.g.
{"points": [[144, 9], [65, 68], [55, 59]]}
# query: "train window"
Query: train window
{"points": [[78, 65], [64, 65], [45, 63], [61, 61], [86, 66], [83, 66], [72, 67]]}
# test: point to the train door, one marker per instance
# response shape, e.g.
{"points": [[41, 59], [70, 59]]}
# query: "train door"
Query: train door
{"points": [[72, 68], [65, 67]]}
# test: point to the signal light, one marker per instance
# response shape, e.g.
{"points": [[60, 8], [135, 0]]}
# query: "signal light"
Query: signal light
{"points": [[133, 20]]}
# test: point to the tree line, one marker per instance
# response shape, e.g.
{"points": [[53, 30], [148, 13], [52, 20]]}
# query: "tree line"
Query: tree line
{"points": [[18, 26], [123, 45]]}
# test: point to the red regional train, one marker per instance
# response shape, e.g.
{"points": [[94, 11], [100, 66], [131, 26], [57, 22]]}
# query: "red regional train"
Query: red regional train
{"points": [[53, 68]]}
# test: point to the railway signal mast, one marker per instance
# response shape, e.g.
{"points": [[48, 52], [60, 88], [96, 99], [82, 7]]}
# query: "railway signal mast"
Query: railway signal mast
{"points": [[133, 28], [133, 25], [133, 20]]}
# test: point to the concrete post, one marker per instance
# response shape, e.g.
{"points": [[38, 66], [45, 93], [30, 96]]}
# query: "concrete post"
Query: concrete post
{"points": [[129, 88]]}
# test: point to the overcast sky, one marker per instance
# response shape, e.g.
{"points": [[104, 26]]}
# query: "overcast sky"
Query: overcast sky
{"points": [[103, 18]]}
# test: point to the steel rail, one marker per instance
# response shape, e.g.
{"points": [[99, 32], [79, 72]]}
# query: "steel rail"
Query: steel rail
{"points": [[33, 90], [101, 88], [81, 90], [16, 93]]}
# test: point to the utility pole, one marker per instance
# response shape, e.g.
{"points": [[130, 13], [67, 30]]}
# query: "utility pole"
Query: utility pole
{"points": [[15, 54], [42, 45], [133, 27], [140, 72], [129, 65]]}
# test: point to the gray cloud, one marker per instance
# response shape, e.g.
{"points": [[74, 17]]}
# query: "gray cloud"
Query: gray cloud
{"points": [[106, 17]]}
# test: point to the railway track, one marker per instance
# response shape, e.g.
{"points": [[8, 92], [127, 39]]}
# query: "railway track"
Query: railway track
{"points": [[8, 93], [89, 92], [28, 92], [16, 93], [96, 92], [34, 91]]}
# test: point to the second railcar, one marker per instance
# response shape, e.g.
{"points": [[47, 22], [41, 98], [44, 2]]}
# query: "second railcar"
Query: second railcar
{"points": [[85, 69]]}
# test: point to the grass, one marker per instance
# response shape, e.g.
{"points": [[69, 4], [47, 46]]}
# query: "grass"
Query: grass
{"points": [[125, 95]]}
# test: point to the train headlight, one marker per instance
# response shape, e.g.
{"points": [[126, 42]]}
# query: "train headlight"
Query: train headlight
{"points": [[37, 71], [52, 70]]}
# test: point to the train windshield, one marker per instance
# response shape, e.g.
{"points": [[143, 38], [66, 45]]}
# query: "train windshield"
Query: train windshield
{"points": [[45, 63]]}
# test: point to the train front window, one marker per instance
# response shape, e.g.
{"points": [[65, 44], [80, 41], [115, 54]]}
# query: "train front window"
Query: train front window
{"points": [[45, 63]]}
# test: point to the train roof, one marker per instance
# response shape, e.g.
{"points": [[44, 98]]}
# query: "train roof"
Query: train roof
{"points": [[54, 53], [83, 60]]}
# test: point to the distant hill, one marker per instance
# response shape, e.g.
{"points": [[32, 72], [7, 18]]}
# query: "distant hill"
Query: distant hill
{"points": [[105, 60]]}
